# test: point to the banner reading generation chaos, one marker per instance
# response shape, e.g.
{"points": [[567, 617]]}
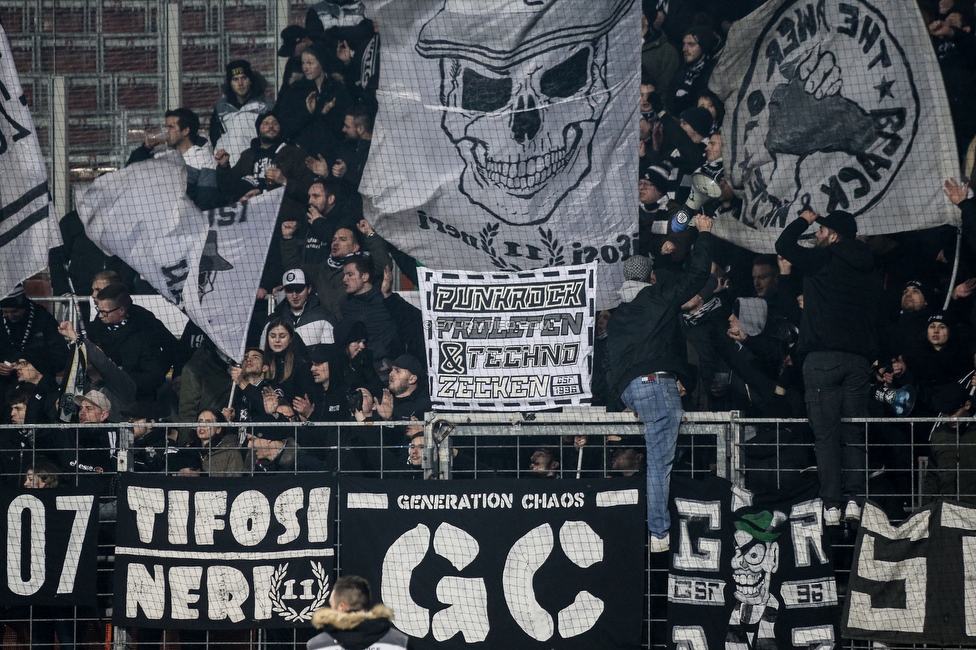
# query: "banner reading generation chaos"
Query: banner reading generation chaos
{"points": [[509, 341]]}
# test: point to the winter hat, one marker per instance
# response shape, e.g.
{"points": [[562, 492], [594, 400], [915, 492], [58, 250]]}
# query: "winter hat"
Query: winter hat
{"points": [[348, 331], [41, 360], [638, 267], [705, 38], [260, 120], [240, 66], [16, 299], [699, 119], [657, 176]]}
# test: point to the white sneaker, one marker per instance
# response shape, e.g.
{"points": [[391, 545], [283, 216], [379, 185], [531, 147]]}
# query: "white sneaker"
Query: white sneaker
{"points": [[831, 516], [660, 544], [852, 512]]}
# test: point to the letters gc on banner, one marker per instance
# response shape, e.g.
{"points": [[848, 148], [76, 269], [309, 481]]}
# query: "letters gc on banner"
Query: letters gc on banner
{"points": [[502, 563]]}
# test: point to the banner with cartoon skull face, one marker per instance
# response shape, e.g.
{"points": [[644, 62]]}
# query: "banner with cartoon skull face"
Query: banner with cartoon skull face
{"points": [[834, 105], [506, 137]]}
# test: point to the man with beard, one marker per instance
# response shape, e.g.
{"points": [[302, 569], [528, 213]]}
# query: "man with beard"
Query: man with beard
{"points": [[268, 163], [697, 54], [755, 561], [325, 270], [358, 131], [838, 333], [250, 381]]}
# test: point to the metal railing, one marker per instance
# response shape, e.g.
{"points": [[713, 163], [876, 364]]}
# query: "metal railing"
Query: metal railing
{"points": [[749, 452]]}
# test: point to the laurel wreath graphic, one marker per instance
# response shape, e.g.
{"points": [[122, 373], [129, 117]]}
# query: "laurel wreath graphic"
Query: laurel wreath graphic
{"points": [[286, 612], [553, 249], [551, 244]]}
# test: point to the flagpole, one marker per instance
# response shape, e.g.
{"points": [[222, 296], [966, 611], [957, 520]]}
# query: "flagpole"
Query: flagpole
{"points": [[955, 269]]}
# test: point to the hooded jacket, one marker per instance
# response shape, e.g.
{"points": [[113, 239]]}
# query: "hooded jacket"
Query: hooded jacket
{"points": [[644, 335], [232, 124], [841, 294], [356, 630]]}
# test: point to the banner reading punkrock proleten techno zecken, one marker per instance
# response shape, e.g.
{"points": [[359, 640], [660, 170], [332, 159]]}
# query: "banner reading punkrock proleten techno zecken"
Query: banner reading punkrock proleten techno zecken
{"points": [[834, 104], [748, 575], [507, 134], [223, 553], [509, 342], [502, 563], [51, 547]]}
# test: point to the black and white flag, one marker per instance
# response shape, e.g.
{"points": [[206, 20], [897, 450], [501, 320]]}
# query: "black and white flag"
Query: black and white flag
{"points": [[502, 563], [915, 582], [834, 105], [745, 574], [28, 226], [507, 138], [51, 547], [207, 263], [223, 553], [509, 341]]}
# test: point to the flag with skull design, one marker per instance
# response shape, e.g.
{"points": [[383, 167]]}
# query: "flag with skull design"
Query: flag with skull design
{"points": [[834, 105], [506, 137], [746, 572]]}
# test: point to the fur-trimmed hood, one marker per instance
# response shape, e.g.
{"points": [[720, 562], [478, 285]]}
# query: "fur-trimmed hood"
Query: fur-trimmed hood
{"points": [[352, 630], [349, 620]]}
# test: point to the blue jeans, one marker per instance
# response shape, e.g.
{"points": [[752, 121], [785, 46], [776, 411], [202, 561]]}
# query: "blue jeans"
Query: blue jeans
{"points": [[659, 407]]}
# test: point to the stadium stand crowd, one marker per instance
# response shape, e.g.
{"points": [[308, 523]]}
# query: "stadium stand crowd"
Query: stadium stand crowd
{"points": [[805, 333]]}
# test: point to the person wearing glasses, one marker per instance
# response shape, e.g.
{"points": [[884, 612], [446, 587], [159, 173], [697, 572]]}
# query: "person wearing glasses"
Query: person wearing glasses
{"points": [[129, 340]]}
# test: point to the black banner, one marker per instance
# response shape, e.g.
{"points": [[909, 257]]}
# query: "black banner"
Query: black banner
{"points": [[223, 553], [915, 583], [502, 563], [51, 547], [748, 574]]}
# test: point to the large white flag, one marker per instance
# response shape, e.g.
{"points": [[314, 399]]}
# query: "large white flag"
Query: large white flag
{"points": [[507, 134], [835, 105], [28, 228], [207, 263]]}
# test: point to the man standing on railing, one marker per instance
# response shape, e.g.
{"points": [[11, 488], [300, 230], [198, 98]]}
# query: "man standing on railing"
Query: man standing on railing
{"points": [[646, 346], [838, 334]]}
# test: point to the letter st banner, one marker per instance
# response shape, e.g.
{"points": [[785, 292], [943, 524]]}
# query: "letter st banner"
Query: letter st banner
{"points": [[915, 582], [211, 554], [748, 574], [502, 563], [509, 341], [51, 539]]}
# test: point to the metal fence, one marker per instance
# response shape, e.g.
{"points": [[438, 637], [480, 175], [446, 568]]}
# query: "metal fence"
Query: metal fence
{"points": [[757, 454]]}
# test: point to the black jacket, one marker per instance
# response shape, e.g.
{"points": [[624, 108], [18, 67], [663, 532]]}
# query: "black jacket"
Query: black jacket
{"points": [[841, 294], [136, 348], [645, 334], [370, 308]]}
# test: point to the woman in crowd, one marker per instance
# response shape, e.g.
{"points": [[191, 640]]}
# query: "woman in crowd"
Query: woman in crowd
{"points": [[358, 369], [232, 122], [313, 111], [220, 454], [290, 372]]}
